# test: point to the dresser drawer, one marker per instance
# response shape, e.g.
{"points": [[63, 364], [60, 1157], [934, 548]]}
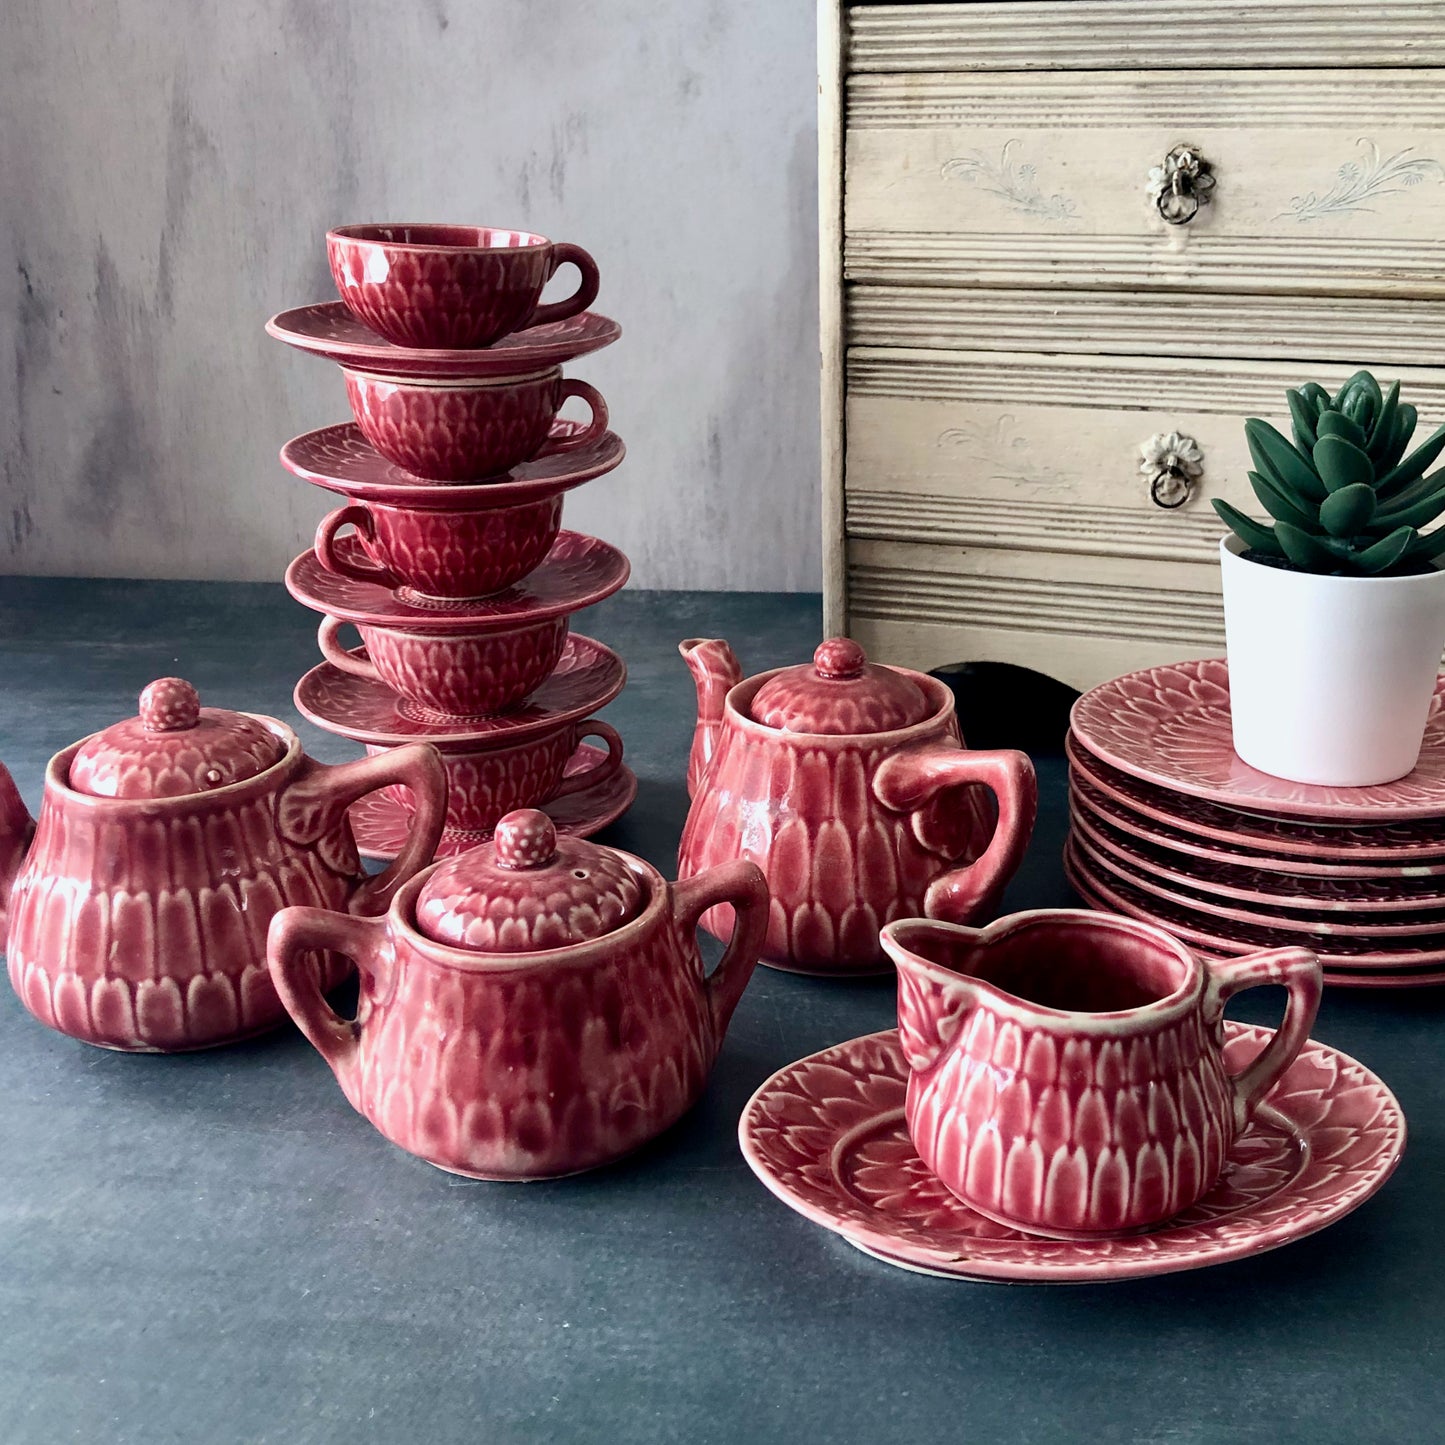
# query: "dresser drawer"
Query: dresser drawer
{"points": [[1325, 182]]}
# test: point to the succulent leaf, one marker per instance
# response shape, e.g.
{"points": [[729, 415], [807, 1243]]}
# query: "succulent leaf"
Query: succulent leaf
{"points": [[1303, 418], [1337, 424], [1347, 513], [1383, 433], [1381, 555], [1285, 506], [1316, 396], [1395, 480], [1426, 546], [1254, 535], [1418, 512], [1275, 457], [1341, 463], [1305, 550]]}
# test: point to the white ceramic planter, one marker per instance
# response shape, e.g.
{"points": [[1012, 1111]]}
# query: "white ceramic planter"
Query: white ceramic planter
{"points": [[1330, 678]]}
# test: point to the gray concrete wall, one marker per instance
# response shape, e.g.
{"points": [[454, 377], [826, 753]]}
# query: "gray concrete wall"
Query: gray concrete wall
{"points": [[170, 168]]}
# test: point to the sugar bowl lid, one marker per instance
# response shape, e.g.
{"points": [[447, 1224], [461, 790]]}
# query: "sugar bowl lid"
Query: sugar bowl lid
{"points": [[840, 693], [528, 889], [175, 747]]}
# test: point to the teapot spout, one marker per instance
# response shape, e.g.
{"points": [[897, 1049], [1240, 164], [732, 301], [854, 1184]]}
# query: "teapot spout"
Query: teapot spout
{"points": [[715, 670], [935, 992], [16, 830]]}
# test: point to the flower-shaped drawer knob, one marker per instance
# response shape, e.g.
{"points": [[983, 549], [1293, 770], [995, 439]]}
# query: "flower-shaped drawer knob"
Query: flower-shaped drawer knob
{"points": [[1172, 463], [1181, 184]]}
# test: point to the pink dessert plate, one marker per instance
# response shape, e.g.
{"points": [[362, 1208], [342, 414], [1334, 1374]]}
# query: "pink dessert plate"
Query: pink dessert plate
{"points": [[588, 676], [578, 572], [1381, 928], [1170, 726], [827, 1136], [328, 329], [340, 459], [1421, 841], [1099, 807], [1420, 961], [1361, 901], [381, 825]]}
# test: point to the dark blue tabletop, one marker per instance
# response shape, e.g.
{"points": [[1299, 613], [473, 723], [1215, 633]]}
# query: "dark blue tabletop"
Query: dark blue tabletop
{"points": [[215, 1248]]}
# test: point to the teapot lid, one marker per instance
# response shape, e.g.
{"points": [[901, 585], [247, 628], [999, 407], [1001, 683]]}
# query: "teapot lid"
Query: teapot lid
{"points": [[527, 890], [173, 748], [841, 692]]}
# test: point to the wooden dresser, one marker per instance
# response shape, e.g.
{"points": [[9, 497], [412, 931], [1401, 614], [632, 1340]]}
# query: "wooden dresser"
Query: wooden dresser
{"points": [[1067, 246]]}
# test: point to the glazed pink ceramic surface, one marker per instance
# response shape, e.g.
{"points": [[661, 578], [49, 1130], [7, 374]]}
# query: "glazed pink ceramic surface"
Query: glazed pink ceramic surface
{"points": [[1067, 1073], [138, 917], [1201, 898], [1170, 726], [453, 286], [851, 828], [454, 674], [493, 777], [828, 1136], [587, 677], [578, 572], [328, 329], [1397, 846], [505, 1064], [380, 822], [1226, 938], [455, 431], [1355, 901], [340, 459], [453, 552]]}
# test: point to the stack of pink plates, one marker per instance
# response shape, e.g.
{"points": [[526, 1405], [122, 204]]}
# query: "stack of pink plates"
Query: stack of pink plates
{"points": [[1167, 824]]}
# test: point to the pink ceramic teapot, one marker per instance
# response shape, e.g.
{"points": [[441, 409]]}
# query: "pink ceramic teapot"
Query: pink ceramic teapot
{"points": [[140, 900], [849, 785], [531, 1008]]}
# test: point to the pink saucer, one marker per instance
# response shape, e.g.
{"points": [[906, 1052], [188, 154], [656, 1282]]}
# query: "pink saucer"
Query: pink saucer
{"points": [[827, 1136], [1199, 897], [1112, 895], [1361, 900], [587, 678], [1099, 807], [380, 824], [328, 329], [578, 572], [340, 459], [1170, 727], [1311, 840]]}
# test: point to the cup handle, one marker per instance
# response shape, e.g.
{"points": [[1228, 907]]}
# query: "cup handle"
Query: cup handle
{"points": [[580, 299], [1298, 970], [601, 770], [570, 386], [909, 781], [742, 884], [326, 553], [339, 656], [292, 942]]}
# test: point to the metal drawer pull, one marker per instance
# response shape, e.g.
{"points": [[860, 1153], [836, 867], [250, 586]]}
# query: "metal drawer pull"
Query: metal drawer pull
{"points": [[1181, 185], [1173, 463]]}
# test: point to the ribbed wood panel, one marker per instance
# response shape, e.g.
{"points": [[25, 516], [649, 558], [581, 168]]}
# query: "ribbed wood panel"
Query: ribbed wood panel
{"points": [[1140, 34]]}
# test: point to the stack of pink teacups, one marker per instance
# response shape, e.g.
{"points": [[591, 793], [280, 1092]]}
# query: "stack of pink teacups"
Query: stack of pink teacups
{"points": [[448, 558]]}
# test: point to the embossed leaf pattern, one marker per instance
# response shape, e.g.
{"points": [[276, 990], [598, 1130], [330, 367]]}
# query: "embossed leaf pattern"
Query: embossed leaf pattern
{"points": [[1372, 178], [1016, 185]]}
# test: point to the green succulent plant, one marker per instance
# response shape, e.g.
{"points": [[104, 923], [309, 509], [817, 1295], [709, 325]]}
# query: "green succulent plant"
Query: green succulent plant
{"points": [[1344, 497]]}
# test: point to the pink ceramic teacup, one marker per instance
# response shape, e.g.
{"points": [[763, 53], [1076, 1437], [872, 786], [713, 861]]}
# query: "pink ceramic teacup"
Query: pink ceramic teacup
{"points": [[458, 431], [453, 286], [441, 552], [491, 777], [472, 673], [1066, 1067]]}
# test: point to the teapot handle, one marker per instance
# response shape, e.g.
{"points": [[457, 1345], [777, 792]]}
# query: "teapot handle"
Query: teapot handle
{"points": [[909, 781], [742, 884], [321, 791], [292, 942], [1297, 970]]}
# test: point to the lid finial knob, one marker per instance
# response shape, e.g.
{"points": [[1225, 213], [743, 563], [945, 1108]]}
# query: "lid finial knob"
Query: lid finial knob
{"points": [[168, 705], [526, 838], [840, 657]]}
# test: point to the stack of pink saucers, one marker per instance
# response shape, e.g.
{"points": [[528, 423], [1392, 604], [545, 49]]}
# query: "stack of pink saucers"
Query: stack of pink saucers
{"points": [[448, 558], [1169, 825]]}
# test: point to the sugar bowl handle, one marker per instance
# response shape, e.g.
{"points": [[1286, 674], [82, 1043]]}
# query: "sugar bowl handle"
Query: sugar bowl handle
{"points": [[581, 298], [1297, 970], [337, 562], [911, 779], [295, 938], [742, 884]]}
